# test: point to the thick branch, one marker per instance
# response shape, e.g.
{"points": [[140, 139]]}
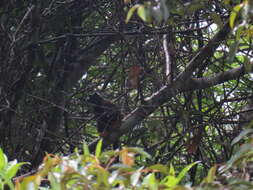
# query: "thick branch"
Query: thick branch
{"points": [[198, 61], [169, 91], [85, 58], [206, 82]]}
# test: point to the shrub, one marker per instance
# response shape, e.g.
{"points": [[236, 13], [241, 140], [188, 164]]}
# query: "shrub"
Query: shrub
{"points": [[118, 170]]}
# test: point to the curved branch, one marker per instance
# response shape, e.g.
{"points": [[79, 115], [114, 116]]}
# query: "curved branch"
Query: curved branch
{"points": [[206, 82], [198, 61]]}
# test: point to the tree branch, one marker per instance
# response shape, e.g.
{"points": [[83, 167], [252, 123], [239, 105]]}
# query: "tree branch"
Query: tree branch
{"points": [[206, 82], [85, 58], [207, 51]]}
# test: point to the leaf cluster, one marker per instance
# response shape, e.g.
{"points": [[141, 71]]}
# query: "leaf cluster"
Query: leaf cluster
{"points": [[118, 170]]}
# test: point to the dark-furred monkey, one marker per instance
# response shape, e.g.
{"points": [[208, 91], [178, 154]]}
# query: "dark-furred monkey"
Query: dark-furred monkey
{"points": [[107, 114]]}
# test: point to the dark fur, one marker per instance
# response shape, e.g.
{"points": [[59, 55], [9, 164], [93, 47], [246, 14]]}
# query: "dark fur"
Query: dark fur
{"points": [[107, 114]]}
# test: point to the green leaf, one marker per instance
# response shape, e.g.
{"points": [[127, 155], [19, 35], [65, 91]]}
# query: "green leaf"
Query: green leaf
{"points": [[3, 160], [122, 168], [13, 168], [161, 168], [241, 135], [131, 12], [240, 30], [103, 176], [99, 148], [142, 13], [181, 175], [234, 14], [150, 181], [8, 182], [170, 181], [171, 170], [211, 175], [86, 151]]}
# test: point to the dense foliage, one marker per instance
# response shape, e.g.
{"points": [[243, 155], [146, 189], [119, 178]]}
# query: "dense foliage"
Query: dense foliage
{"points": [[178, 71], [123, 169]]}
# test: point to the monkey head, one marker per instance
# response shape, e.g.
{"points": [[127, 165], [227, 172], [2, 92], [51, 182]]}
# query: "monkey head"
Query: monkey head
{"points": [[95, 102]]}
